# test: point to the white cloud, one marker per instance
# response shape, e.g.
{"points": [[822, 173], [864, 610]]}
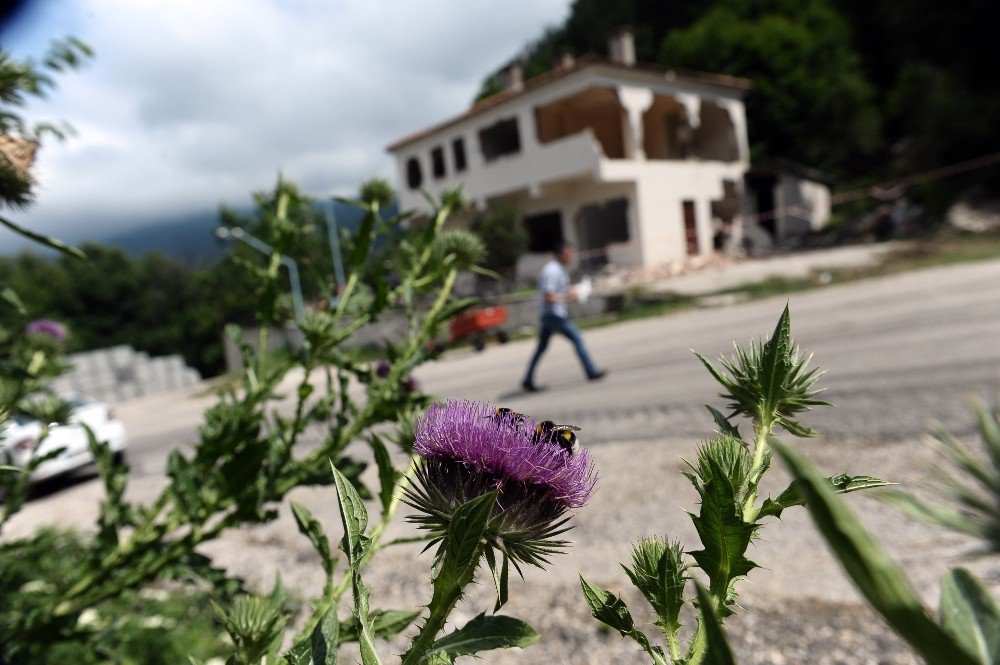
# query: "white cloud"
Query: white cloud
{"points": [[190, 103]]}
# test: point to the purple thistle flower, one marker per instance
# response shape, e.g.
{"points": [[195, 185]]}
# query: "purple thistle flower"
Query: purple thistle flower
{"points": [[473, 434], [469, 449], [48, 328], [381, 369]]}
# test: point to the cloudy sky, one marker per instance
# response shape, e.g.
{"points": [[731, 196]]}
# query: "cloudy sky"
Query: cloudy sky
{"points": [[192, 103]]}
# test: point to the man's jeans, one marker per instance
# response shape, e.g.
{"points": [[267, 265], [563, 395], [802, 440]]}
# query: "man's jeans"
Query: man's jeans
{"points": [[557, 324]]}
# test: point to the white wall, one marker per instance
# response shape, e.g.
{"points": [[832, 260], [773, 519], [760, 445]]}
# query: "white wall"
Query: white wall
{"points": [[537, 164], [811, 197], [661, 187]]}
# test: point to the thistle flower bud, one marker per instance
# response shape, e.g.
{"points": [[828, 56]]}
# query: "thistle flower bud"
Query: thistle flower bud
{"points": [[47, 328], [471, 448]]}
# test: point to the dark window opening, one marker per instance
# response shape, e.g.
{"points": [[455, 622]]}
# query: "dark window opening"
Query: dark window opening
{"points": [[458, 152], [499, 139], [437, 162], [544, 231], [598, 226], [690, 228], [414, 176], [762, 193]]}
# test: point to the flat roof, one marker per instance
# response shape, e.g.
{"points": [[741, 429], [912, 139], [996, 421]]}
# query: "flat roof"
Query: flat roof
{"points": [[562, 71]]}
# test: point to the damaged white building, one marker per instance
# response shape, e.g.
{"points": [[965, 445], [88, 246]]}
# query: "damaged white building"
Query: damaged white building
{"points": [[635, 166]]}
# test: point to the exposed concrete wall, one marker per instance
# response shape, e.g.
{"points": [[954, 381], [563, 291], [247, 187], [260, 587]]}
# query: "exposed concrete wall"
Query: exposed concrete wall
{"points": [[804, 206], [538, 163], [120, 373], [661, 188]]}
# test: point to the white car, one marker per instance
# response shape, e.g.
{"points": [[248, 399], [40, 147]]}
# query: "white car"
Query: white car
{"points": [[19, 439]]}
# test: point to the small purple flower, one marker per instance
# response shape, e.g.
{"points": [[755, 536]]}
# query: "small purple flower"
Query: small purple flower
{"points": [[471, 448], [47, 328], [409, 384]]}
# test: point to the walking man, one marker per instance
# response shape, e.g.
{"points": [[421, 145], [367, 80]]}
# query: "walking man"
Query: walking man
{"points": [[554, 292]]}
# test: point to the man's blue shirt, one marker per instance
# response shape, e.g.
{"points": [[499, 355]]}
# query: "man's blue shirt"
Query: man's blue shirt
{"points": [[555, 280]]}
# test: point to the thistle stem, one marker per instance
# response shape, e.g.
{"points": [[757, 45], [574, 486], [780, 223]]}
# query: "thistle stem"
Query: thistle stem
{"points": [[756, 470], [442, 603]]}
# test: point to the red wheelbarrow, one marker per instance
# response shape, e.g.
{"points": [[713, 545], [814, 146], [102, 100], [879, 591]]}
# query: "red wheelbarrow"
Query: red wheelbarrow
{"points": [[478, 323]]}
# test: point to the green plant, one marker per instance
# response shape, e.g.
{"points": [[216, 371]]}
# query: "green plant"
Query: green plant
{"points": [[771, 384], [502, 231], [968, 625], [968, 481], [247, 458]]}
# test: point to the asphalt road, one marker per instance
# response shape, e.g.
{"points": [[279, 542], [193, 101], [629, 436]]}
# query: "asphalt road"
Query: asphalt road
{"points": [[897, 352]]}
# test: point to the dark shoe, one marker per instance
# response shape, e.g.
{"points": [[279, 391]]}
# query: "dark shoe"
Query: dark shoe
{"points": [[530, 387], [600, 375]]}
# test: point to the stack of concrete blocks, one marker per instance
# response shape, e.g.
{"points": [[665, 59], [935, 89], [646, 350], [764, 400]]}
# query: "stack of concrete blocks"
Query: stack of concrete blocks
{"points": [[121, 373]]}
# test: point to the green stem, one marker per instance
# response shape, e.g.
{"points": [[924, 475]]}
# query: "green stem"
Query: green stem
{"points": [[756, 470], [442, 603], [698, 649], [673, 646]]}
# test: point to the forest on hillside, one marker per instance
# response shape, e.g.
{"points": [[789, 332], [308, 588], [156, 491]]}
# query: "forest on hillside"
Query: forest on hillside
{"points": [[862, 89]]}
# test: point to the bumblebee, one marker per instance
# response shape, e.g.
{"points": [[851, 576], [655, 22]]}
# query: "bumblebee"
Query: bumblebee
{"points": [[503, 412], [562, 435]]}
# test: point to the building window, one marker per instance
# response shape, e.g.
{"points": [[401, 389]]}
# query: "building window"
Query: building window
{"points": [[458, 152], [500, 139], [544, 231], [414, 177], [437, 162], [690, 227]]}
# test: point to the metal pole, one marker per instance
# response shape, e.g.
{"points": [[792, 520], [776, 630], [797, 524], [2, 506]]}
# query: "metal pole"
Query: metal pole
{"points": [[293, 275], [293, 268], [334, 233]]}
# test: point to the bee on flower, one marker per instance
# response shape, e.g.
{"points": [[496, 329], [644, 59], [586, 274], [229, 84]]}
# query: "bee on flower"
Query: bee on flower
{"points": [[469, 449]]}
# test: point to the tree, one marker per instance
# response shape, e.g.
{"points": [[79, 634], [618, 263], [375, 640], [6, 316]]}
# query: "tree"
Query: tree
{"points": [[502, 231], [811, 100]]}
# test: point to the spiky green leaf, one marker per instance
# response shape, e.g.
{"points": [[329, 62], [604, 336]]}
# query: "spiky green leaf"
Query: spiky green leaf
{"points": [[970, 615], [53, 243], [9, 296], [387, 474], [463, 542], [932, 513], [659, 572], [353, 515], [723, 467], [612, 611], [500, 575], [485, 633], [769, 382], [314, 531], [841, 484], [385, 624], [867, 564]]}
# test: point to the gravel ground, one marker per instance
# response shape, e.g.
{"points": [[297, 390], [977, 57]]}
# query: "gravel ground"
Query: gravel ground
{"points": [[798, 608]]}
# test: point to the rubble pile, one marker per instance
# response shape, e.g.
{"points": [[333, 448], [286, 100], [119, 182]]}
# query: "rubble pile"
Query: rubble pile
{"points": [[612, 278]]}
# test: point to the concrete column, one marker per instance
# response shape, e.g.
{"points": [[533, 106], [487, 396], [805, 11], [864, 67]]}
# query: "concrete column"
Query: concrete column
{"points": [[526, 130], [737, 116], [635, 101], [703, 224], [692, 104]]}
